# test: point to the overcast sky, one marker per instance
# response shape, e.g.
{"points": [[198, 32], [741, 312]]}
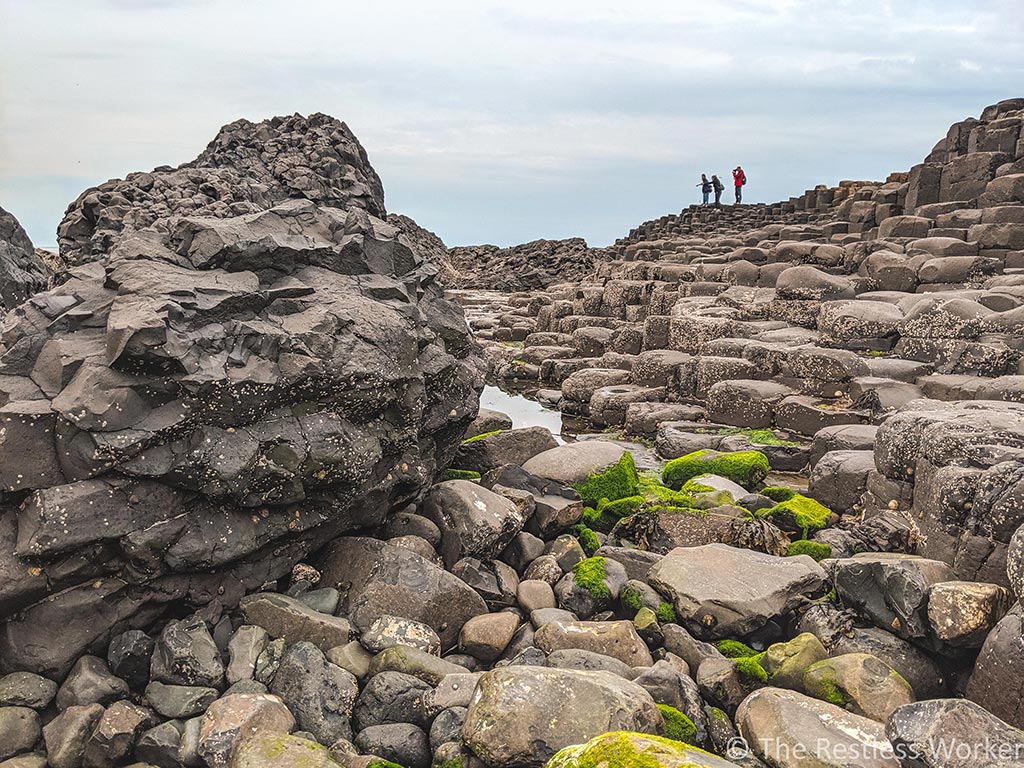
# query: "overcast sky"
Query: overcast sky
{"points": [[503, 121]]}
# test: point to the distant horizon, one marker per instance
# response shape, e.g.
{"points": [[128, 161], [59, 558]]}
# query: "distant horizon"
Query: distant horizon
{"points": [[501, 122]]}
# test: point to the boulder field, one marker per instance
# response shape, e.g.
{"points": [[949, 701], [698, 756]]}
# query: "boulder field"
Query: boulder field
{"points": [[252, 515]]}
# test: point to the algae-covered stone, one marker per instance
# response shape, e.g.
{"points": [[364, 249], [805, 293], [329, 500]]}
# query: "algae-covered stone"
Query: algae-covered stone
{"points": [[638, 750], [522, 716], [799, 514], [719, 591], [274, 750], [789, 730], [597, 469], [859, 682], [747, 468], [232, 718], [786, 663]]}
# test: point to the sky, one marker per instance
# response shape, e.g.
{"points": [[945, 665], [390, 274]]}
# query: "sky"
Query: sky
{"points": [[502, 122]]}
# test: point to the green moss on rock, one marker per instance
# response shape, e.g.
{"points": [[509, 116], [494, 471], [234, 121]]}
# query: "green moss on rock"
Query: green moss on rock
{"points": [[678, 726], [760, 437], [591, 575], [778, 492], [630, 599], [617, 482], [747, 468], [622, 749], [799, 513], [813, 549], [607, 513], [750, 667], [480, 437], [666, 613], [460, 474], [734, 649], [586, 537]]}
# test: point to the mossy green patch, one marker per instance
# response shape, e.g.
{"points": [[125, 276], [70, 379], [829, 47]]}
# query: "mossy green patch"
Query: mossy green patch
{"points": [[590, 574], [617, 482], [460, 474], [778, 492], [480, 437], [678, 726], [799, 513], [607, 513], [586, 537], [455, 762], [760, 437], [750, 666], [629, 597], [813, 549], [734, 649], [746, 468], [622, 749], [666, 613]]}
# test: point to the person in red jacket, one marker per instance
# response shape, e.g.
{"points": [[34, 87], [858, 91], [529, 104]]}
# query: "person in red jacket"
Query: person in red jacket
{"points": [[739, 178]]}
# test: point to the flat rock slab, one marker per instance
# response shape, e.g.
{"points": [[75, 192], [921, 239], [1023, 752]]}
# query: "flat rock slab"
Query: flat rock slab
{"points": [[955, 733], [617, 639], [789, 730], [522, 716], [286, 617], [575, 462], [720, 591]]}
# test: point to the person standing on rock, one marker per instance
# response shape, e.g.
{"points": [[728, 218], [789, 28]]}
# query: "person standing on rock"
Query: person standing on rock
{"points": [[739, 178], [705, 187], [718, 186]]}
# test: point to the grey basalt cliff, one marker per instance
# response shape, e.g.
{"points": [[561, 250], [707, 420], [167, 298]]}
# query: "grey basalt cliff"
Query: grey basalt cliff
{"points": [[246, 361]]}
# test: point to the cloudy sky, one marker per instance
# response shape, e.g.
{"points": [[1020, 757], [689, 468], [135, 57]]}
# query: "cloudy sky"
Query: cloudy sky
{"points": [[503, 121]]}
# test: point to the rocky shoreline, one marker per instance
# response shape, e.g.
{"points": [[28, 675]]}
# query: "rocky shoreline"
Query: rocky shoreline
{"points": [[252, 514]]}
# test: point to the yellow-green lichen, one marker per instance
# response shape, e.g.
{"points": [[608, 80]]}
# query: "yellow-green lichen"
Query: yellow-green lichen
{"points": [[678, 726], [778, 492], [750, 667], [617, 482], [607, 513], [747, 468], [760, 437]]}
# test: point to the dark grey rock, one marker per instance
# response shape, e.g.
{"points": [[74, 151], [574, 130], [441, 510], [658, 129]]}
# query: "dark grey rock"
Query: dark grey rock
{"points": [[90, 682], [391, 697], [185, 654], [24, 689], [401, 743], [319, 694], [19, 730], [129, 656]]}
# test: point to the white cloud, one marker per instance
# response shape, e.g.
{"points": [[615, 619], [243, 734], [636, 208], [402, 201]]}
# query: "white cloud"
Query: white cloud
{"points": [[512, 101]]}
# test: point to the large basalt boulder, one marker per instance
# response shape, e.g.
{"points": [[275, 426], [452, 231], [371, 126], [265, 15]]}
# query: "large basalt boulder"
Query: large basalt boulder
{"points": [[210, 398], [22, 272], [967, 468], [248, 167], [522, 716]]}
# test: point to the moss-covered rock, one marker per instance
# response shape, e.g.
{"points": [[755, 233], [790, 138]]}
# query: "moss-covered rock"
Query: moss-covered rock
{"points": [[586, 537], [778, 492], [812, 549], [678, 726], [622, 749], [484, 436], [734, 649], [617, 482], [460, 474], [859, 682], [607, 513], [666, 613], [786, 663], [750, 667], [799, 514], [591, 575], [747, 468], [264, 750]]}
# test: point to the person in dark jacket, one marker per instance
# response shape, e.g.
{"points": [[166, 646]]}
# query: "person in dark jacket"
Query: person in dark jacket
{"points": [[718, 186], [705, 187], [739, 178]]}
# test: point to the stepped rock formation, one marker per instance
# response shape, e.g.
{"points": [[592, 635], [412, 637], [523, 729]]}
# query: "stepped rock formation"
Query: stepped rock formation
{"points": [[22, 271], [532, 265], [245, 363]]}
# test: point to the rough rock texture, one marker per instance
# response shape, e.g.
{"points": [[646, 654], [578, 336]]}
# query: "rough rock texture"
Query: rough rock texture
{"points": [[248, 167], [536, 264], [206, 400], [22, 271]]}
